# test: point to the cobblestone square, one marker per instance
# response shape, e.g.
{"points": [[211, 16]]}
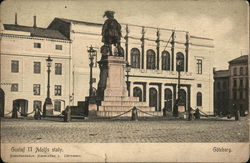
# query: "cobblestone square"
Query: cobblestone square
{"points": [[152, 130]]}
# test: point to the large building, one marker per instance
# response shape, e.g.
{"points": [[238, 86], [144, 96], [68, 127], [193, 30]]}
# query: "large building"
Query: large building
{"points": [[221, 92], [238, 83], [153, 54]]}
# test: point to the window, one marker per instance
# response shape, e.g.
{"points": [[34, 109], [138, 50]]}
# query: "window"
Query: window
{"points": [[58, 68], [241, 83], [14, 66], [14, 87], [58, 90], [234, 95], [179, 61], [37, 104], [165, 60], [241, 94], [135, 58], [137, 92], [224, 85], [37, 67], [199, 85], [58, 47], [57, 105], [235, 83], [218, 95], [37, 45], [246, 71], [150, 59], [36, 89], [241, 70], [199, 66], [218, 85], [235, 71], [199, 99]]}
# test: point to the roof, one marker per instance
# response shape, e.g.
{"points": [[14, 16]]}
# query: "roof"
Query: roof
{"points": [[241, 59], [221, 74], [79, 22], [36, 31]]}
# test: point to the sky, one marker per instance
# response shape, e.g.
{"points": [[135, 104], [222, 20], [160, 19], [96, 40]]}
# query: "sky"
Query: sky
{"points": [[225, 21]]}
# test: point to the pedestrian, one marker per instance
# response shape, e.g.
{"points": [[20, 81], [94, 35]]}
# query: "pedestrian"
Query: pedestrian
{"points": [[197, 114], [175, 109], [37, 114], [164, 112], [67, 114], [134, 116], [14, 111], [236, 112], [190, 115]]}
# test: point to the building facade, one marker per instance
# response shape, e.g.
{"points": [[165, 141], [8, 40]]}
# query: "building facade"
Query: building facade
{"points": [[221, 92], [153, 54], [238, 84]]}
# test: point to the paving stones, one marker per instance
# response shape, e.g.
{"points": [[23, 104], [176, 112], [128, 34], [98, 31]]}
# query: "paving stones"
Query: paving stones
{"points": [[51, 130]]}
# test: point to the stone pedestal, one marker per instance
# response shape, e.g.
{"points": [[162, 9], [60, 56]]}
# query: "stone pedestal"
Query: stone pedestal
{"points": [[112, 90]]}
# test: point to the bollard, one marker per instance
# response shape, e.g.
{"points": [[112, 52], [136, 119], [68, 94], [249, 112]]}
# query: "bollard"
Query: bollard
{"points": [[237, 115], [134, 116], [197, 114], [37, 114]]}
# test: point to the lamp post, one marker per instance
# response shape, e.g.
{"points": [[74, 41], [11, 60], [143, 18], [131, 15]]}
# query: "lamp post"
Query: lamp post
{"points": [[128, 69], [48, 99], [92, 53], [179, 77]]}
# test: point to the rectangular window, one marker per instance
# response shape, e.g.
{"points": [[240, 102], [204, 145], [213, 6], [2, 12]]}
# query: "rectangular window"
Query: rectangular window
{"points": [[14, 87], [235, 71], [199, 66], [37, 104], [199, 85], [235, 83], [241, 70], [37, 67], [58, 47], [36, 89], [58, 68], [58, 90], [234, 95], [57, 105], [241, 83], [37, 45], [14, 66], [241, 94]]}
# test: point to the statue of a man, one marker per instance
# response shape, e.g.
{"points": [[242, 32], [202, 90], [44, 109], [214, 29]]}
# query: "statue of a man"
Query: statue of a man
{"points": [[111, 32]]}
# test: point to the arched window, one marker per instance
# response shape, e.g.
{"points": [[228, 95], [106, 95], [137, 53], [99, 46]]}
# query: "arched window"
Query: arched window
{"points": [[135, 58], [165, 60], [137, 92], [150, 59], [168, 99], [179, 61], [199, 99]]}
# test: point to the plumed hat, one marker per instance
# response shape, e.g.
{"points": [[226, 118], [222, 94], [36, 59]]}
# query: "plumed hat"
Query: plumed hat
{"points": [[109, 13]]}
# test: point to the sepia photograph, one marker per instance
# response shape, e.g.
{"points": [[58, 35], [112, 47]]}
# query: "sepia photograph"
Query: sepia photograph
{"points": [[124, 81]]}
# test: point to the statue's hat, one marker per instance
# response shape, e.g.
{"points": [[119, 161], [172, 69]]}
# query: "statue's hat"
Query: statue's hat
{"points": [[108, 13]]}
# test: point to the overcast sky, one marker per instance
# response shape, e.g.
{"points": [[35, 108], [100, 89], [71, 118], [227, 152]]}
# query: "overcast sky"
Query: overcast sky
{"points": [[224, 21]]}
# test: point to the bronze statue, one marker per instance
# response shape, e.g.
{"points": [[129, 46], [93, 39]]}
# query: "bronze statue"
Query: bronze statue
{"points": [[111, 33]]}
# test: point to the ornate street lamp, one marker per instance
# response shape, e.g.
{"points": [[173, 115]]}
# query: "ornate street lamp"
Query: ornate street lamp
{"points": [[179, 77], [92, 54], [48, 101], [128, 69]]}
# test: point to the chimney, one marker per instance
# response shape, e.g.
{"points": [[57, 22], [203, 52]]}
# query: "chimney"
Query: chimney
{"points": [[15, 18], [34, 25]]}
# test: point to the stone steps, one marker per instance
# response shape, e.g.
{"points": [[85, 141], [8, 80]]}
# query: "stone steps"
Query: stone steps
{"points": [[116, 113], [124, 108]]}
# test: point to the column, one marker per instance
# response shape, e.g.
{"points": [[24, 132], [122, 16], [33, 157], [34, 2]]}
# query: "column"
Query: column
{"points": [[172, 50], [187, 50], [157, 48], [142, 48], [144, 91]]}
